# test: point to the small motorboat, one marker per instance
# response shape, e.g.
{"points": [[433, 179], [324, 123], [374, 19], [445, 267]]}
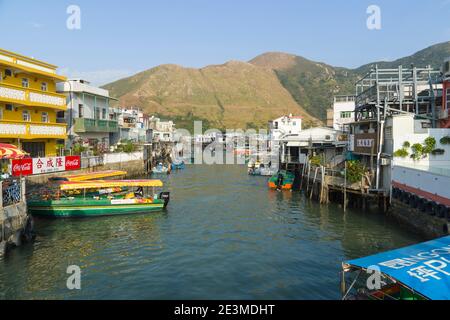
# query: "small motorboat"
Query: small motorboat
{"points": [[160, 168], [282, 180], [178, 165]]}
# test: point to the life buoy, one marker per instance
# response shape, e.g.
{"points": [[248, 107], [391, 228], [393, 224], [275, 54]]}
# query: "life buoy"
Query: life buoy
{"points": [[442, 211], [414, 201], [405, 197], [434, 208], [422, 204]]}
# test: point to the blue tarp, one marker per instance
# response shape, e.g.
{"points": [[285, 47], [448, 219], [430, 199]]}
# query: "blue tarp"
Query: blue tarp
{"points": [[424, 267]]}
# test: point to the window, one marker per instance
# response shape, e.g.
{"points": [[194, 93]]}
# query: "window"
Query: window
{"points": [[294, 123], [9, 107], [8, 73], [80, 111], [44, 117], [103, 114], [448, 98], [346, 114], [25, 82], [26, 115], [44, 86], [275, 125]]}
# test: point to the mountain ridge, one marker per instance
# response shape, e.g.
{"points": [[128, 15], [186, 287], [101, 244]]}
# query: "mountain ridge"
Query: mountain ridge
{"points": [[249, 93]]}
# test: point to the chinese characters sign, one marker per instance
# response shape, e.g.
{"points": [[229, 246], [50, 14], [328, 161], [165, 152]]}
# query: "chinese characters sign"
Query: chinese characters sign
{"points": [[366, 143], [31, 166]]}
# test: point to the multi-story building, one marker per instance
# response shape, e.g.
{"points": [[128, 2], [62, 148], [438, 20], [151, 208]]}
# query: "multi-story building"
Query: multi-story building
{"points": [[29, 104], [282, 126], [445, 118], [162, 130], [133, 125], [343, 112], [88, 115]]}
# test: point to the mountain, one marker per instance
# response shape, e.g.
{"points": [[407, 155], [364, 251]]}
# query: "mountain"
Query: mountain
{"points": [[233, 95], [433, 56], [312, 84], [248, 94]]}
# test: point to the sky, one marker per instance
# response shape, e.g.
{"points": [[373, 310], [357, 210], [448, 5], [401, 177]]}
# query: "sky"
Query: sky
{"points": [[120, 38]]}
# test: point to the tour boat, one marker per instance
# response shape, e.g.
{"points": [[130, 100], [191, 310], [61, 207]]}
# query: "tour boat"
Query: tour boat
{"points": [[96, 175], [282, 180], [74, 199], [417, 272]]}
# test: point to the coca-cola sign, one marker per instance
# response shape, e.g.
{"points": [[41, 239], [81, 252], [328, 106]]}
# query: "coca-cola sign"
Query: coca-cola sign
{"points": [[22, 167], [73, 162], [31, 166]]}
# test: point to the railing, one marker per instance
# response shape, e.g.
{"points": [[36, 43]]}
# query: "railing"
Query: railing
{"points": [[95, 125], [26, 130], [31, 97]]}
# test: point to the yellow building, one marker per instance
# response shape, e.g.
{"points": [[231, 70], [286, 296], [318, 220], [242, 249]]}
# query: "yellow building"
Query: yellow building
{"points": [[30, 106]]}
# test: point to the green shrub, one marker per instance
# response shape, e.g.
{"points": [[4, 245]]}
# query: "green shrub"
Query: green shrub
{"points": [[437, 152], [355, 171], [406, 144], [401, 153], [445, 140]]}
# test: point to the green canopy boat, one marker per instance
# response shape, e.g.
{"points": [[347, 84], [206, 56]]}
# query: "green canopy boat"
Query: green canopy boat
{"points": [[76, 199]]}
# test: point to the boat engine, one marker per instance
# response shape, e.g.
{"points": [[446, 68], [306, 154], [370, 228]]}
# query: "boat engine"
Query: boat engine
{"points": [[166, 197]]}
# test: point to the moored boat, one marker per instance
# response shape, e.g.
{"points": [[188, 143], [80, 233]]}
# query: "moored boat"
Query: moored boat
{"points": [[64, 204], [282, 180], [160, 168], [96, 175], [178, 165], [417, 272]]}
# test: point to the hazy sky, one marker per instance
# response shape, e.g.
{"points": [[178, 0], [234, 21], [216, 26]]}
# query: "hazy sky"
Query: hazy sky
{"points": [[119, 38]]}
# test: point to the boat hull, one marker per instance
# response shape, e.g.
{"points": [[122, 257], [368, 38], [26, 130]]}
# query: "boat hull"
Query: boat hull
{"points": [[80, 208]]}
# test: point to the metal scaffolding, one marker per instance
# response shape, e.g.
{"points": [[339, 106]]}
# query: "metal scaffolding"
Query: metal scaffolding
{"points": [[403, 90]]}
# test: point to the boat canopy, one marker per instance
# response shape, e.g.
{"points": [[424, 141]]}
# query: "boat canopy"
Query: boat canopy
{"points": [[104, 184], [91, 175], [423, 268]]}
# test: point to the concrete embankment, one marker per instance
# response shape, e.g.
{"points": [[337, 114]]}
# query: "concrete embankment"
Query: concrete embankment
{"points": [[422, 222]]}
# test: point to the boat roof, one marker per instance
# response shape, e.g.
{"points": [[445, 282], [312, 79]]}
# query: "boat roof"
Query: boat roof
{"points": [[102, 184], [423, 268], [91, 175]]}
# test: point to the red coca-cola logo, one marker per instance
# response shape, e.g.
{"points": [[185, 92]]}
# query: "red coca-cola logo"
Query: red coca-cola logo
{"points": [[22, 167], [73, 162]]}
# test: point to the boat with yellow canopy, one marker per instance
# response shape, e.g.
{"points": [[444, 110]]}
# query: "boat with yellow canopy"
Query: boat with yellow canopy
{"points": [[74, 198], [96, 175]]}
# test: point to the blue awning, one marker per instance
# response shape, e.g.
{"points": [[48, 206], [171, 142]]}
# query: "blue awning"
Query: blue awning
{"points": [[424, 267]]}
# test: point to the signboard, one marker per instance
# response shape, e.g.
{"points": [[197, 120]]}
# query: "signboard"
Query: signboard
{"points": [[365, 143], [30, 166]]}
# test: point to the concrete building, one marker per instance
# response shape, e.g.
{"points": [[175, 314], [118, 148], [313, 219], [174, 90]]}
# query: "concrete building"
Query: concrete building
{"points": [[29, 105], [134, 125], [88, 115], [343, 112], [296, 149]]}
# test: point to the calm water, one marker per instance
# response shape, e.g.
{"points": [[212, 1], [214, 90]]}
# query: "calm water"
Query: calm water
{"points": [[224, 236]]}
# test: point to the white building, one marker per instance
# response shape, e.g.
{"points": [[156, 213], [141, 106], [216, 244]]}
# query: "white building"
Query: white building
{"points": [[281, 126], [88, 115], [133, 125], [343, 112], [162, 130]]}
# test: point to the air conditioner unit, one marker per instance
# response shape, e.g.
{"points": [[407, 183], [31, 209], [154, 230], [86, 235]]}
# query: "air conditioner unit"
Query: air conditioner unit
{"points": [[385, 161]]}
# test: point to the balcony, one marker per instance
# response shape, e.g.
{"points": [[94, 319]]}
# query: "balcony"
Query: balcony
{"points": [[83, 125], [32, 130], [30, 97]]}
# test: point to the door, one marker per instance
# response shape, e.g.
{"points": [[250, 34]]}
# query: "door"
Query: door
{"points": [[34, 149]]}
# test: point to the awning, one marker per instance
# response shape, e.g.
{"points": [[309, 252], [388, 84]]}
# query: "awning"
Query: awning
{"points": [[424, 267], [92, 175], [104, 184], [297, 144], [9, 151]]}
